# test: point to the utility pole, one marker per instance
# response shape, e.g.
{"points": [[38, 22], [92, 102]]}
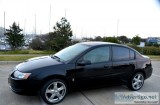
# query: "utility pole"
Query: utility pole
{"points": [[117, 27], [5, 30], [4, 22], [35, 24], [65, 13], [24, 27], [49, 18]]}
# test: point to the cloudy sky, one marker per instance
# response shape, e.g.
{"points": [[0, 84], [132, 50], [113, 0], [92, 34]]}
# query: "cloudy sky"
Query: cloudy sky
{"points": [[88, 18]]}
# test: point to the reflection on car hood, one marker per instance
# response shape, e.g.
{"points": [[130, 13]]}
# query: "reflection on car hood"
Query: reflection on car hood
{"points": [[36, 58], [37, 62], [145, 56]]}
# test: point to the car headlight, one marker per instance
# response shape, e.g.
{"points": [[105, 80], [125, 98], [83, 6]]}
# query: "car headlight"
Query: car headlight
{"points": [[21, 75]]}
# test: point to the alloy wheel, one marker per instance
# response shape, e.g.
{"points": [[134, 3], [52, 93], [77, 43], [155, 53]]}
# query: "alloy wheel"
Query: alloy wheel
{"points": [[55, 92], [137, 81]]}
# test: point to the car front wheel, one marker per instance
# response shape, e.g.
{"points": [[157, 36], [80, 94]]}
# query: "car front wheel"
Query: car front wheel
{"points": [[54, 91], [136, 81]]}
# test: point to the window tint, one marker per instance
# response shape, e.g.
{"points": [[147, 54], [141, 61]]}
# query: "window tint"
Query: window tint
{"points": [[138, 56], [132, 55], [70, 52], [97, 55], [120, 53]]}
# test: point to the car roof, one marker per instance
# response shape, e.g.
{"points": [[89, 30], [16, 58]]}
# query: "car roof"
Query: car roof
{"points": [[98, 43], [95, 43]]}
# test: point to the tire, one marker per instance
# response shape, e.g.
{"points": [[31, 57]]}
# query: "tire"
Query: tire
{"points": [[54, 91], [136, 82]]}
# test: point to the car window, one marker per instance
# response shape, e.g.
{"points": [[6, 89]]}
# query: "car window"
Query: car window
{"points": [[71, 52], [138, 56], [120, 53], [132, 54], [97, 55]]}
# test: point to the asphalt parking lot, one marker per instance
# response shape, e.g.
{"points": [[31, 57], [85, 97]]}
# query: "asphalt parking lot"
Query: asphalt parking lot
{"points": [[100, 96]]}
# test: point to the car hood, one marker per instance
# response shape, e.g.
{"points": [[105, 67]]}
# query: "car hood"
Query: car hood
{"points": [[145, 56], [37, 62]]}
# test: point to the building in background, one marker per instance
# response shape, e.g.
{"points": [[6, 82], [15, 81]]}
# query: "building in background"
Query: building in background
{"points": [[153, 40]]}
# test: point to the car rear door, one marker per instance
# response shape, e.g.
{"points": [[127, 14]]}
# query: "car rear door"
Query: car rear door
{"points": [[123, 60]]}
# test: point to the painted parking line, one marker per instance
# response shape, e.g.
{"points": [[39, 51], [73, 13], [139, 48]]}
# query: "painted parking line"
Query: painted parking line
{"points": [[42, 102], [139, 93], [87, 98], [156, 75]]}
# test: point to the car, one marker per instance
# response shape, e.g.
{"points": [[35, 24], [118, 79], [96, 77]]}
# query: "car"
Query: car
{"points": [[55, 75]]}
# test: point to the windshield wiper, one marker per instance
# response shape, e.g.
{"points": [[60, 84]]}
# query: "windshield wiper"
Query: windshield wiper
{"points": [[57, 58]]}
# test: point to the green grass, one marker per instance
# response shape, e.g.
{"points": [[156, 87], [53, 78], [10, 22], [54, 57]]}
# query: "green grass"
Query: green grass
{"points": [[154, 57], [27, 52], [21, 55], [16, 57]]}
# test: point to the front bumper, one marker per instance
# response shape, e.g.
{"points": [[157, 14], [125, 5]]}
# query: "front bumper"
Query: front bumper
{"points": [[20, 86]]}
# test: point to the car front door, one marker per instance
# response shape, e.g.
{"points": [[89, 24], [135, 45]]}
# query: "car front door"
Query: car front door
{"points": [[94, 64]]}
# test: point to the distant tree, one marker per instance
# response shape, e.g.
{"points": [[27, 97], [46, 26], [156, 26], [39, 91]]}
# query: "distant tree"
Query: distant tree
{"points": [[123, 39], [37, 43], [98, 38], [111, 39], [156, 45], [143, 39], [136, 40], [14, 36], [61, 37], [87, 39]]}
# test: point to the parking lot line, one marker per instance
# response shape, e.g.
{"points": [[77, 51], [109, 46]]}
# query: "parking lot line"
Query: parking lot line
{"points": [[139, 93], [87, 98], [156, 75], [43, 103]]}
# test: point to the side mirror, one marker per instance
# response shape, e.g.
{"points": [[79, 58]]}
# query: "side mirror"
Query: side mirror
{"points": [[84, 62]]}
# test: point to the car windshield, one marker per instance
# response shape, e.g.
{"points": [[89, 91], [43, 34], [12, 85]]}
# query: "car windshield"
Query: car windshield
{"points": [[70, 52]]}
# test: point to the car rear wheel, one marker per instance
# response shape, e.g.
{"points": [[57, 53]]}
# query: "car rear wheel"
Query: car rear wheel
{"points": [[136, 81], [54, 91]]}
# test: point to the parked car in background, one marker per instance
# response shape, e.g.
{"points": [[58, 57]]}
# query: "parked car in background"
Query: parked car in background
{"points": [[53, 76]]}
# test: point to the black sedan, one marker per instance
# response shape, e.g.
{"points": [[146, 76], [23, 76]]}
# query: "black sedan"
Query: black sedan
{"points": [[53, 76]]}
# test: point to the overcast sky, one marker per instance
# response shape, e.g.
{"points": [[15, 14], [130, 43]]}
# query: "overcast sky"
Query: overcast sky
{"points": [[88, 18]]}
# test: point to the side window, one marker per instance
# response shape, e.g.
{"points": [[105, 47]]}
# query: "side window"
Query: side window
{"points": [[132, 54], [97, 55], [138, 56], [120, 53]]}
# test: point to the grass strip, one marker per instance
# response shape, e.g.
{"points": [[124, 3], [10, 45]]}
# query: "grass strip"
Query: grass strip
{"points": [[16, 57]]}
